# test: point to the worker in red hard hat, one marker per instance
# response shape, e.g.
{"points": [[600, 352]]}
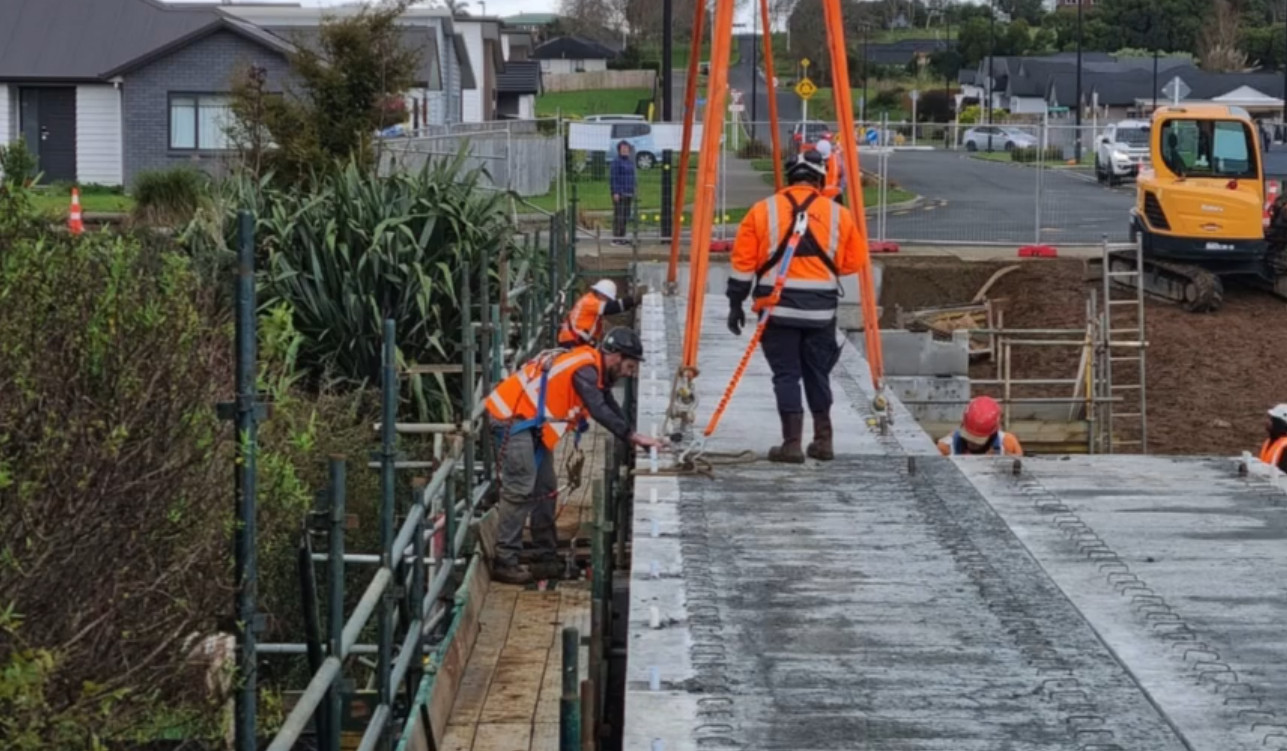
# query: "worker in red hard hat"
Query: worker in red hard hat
{"points": [[980, 432], [1274, 450], [584, 323]]}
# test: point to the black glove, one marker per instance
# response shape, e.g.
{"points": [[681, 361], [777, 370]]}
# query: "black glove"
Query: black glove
{"points": [[736, 319]]}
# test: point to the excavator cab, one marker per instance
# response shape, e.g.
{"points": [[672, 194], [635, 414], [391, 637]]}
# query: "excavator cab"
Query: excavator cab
{"points": [[1200, 210]]}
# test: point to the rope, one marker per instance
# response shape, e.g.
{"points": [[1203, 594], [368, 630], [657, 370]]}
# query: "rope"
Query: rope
{"points": [[703, 465]]}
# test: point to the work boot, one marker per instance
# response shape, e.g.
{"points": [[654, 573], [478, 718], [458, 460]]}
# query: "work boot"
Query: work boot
{"points": [[792, 430], [821, 447], [512, 574], [549, 567]]}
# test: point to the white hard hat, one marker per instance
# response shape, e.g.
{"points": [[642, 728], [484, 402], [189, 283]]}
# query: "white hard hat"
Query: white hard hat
{"points": [[606, 287], [1278, 412], [824, 148]]}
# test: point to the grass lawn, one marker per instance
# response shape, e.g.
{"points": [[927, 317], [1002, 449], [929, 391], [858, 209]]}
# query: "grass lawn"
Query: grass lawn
{"points": [[1087, 159], [679, 53], [590, 102], [593, 195], [870, 194], [59, 203], [822, 107]]}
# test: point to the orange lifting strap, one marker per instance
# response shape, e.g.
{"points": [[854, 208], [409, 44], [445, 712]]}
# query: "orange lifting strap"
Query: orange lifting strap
{"points": [[704, 203]]}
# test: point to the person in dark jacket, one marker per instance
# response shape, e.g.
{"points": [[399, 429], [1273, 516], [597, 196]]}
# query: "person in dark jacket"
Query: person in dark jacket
{"points": [[621, 180]]}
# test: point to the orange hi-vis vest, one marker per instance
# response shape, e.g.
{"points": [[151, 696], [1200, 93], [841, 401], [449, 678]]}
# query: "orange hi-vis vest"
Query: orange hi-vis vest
{"points": [[584, 323], [831, 188], [1004, 444], [516, 398], [1271, 452]]}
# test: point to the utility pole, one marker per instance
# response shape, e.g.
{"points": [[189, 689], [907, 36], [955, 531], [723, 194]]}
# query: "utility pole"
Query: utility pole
{"points": [[1077, 122], [667, 41], [1285, 71], [948, 51], [992, 53], [1155, 76], [755, 73]]}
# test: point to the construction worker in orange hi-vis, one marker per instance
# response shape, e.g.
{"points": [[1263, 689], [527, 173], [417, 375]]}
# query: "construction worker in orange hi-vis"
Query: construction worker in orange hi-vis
{"points": [[834, 187], [584, 323], [806, 242], [1274, 450], [530, 412], [980, 432]]}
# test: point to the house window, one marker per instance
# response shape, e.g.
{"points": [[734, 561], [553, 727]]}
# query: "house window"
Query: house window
{"points": [[199, 122]]}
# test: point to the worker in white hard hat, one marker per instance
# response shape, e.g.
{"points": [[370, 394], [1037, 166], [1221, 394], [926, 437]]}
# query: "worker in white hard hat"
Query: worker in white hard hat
{"points": [[584, 323], [1274, 450], [834, 187]]}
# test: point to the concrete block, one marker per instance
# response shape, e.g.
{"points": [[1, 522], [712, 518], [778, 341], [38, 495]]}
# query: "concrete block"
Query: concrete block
{"points": [[950, 391], [911, 353]]}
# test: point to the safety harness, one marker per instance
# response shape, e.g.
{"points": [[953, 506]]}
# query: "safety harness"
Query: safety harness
{"points": [[806, 246], [576, 460], [959, 447]]}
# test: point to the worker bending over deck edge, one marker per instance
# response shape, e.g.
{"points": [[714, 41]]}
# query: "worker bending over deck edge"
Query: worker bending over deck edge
{"points": [[980, 432], [1274, 450], [531, 411], [584, 323], [800, 337]]}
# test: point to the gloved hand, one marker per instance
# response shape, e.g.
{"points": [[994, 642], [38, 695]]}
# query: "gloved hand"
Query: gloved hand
{"points": [[736, 319]]}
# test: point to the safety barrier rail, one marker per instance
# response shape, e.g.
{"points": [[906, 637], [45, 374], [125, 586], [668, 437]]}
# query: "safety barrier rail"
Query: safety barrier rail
{"points": [[410, 597]]}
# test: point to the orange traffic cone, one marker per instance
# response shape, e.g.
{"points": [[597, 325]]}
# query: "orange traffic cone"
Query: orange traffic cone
{"points": [[74, 222]]}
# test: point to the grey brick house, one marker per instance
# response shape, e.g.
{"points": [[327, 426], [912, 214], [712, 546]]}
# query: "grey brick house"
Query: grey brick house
{"points": [[101, 90]]}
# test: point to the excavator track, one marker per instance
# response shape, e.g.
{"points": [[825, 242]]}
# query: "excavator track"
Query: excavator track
{"points": [[1193, 288]]}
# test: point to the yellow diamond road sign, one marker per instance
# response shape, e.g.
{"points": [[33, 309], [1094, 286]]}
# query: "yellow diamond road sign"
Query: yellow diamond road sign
{"points": [[805, 88], [804, 62]]}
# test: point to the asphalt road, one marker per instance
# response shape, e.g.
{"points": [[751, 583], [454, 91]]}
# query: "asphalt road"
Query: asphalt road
{"points": [[969, 200], [743, 77]]}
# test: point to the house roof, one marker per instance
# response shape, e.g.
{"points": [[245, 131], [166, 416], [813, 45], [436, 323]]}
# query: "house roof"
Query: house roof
{"points": [[520, 77], [81, 40], [572, 48], [416, 37], [531, 19], [219, 23]]}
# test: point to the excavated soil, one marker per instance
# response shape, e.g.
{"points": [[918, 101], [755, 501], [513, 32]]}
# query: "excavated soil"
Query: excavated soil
{"points": [[1210, 377]]}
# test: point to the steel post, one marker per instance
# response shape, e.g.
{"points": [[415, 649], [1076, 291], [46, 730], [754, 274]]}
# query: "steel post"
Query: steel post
{"points": [[467, 387], [335, 598], [572, 270], [418, 582], [570, 703], [498, 345], [246, 563], [488, 334], [388, 434], [312, 627]]}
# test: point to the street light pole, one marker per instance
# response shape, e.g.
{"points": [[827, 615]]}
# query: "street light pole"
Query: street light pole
{"points": [[1077, 122], [755, 73], [1285, 69], [992, 52], [667, 92]]}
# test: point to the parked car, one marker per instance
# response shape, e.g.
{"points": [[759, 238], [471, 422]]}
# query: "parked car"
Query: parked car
{"points": [[1122, 151], [614, 118], [635, 131], [996, 137]]}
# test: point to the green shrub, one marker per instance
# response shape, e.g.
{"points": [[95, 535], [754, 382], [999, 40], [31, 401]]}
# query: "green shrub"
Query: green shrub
{"points": [[753, 149], [17, 164], [171, 197]]}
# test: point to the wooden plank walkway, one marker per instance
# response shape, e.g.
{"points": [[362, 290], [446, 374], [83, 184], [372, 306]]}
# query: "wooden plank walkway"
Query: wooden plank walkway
{"points": [[509, 696]]}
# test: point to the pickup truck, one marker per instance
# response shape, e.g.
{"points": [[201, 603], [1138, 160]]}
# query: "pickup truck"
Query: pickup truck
{"points": [[1122, 151]]}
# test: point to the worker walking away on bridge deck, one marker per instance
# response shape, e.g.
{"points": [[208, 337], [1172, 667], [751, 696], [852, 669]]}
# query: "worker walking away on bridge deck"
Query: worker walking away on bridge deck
{"points": [[980, 432], [531, 410], [800, 337], [1274, 450], [834, 187], [584, 323]]}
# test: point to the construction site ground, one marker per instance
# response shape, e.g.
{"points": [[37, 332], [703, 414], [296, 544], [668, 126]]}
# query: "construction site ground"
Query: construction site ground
{"points": [[1210, 377]]}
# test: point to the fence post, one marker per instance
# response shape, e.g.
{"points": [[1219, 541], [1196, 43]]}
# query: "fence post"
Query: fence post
{"points": [[1044, 142], [487, 321], [247, 418], [335, 600], [467, 388], [418, 579], [570, 702], [554, 278], [388, 435], [572, 238]]}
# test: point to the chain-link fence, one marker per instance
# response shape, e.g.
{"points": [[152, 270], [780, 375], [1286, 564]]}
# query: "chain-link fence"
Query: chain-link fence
{"points": [[1008, 184]]}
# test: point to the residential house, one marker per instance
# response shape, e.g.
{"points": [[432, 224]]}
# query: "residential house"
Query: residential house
{"points": [[102, 90], [520, 83], [573, 55], [536, 24], [485, 47], [901, 52]]}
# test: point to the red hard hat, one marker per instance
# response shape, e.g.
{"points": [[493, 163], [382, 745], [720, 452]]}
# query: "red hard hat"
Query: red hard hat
{"points": [[982, 419]]}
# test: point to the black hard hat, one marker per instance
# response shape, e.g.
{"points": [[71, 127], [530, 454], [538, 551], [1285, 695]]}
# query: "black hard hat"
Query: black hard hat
{"points": [[807, 166], [625, 342]]}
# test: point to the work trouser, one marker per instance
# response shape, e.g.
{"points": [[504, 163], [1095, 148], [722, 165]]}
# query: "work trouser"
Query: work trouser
{"points": [[796, 354], [528, 489], [621, 215]]}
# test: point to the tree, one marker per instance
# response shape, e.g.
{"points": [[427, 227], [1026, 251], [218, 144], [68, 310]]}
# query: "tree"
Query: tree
{"points": [[1264, 45], [589, 18], [346, 87], [1220, 39], [1030, 11], [1164, 24], [974, 41]]}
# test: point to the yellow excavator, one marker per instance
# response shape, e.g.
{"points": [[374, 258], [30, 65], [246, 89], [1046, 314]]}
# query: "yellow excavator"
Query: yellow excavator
{"points": [[1207, 208]]}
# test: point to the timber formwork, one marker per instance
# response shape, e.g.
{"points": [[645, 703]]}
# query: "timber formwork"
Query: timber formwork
{"points": [[896, 599]]}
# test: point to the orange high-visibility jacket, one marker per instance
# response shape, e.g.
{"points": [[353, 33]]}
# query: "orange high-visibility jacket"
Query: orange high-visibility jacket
{"points": [[832, 247], [1272, 452], [516, 397], [584, 323], [1004, 444], [834, 165]]}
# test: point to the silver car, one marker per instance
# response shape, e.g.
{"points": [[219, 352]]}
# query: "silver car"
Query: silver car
{"points": [[997, 137]]}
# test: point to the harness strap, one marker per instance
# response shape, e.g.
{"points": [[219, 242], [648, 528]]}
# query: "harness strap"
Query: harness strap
{"points": [[807, 250]]}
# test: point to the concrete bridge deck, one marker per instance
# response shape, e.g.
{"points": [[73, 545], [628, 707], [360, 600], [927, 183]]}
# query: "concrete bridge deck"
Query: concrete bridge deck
{"points": [[895, 599]]}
